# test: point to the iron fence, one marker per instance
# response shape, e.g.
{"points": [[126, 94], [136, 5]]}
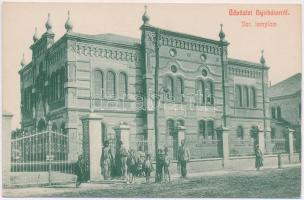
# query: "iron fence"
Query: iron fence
{"points": [[241, 147], [204, 148], [276, 146]]}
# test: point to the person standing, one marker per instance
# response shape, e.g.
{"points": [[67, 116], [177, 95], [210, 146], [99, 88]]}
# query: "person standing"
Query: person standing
{"points": [[106, 160], [122, 160], [79, 171], [258, 157], [183, 156], [148, 167], [159, 166], [167, 177]]}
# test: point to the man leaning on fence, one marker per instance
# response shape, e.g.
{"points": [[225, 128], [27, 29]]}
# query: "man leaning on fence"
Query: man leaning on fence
{"points": [[183, 156]]}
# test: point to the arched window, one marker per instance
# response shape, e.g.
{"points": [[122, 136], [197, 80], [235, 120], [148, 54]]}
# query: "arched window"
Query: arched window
{"points": [[170, 87], [123, 86], [279, 114], [273, 112], [246, 97], [54, 127], [200, 91], [240, 132], [98, 84], [210, 129], [202, 128], [41, 125], [111, 84], [181, 122], [252, 97], [170, 126], [238, 94], [179, 90], [210, 93]]}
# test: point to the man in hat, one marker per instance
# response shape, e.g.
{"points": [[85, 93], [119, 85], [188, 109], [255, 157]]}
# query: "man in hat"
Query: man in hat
{"points": [[183, 156], [106, 160], [79, 171]]}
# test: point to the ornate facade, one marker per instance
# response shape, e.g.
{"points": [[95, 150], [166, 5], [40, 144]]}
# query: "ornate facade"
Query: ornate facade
{"points": [[200, 87]]}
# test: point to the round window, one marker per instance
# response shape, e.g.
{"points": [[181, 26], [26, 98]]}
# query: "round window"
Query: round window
{"points": [[203, 57], [172, 52], [173, 68], [204, 72]]}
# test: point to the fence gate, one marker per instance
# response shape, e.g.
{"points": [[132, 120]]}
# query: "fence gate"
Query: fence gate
{"points": [[41, 158]]}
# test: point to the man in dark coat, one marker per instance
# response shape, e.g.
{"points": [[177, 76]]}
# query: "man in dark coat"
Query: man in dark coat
{"points": [[79, 170], [183, 156], [258, 157]]}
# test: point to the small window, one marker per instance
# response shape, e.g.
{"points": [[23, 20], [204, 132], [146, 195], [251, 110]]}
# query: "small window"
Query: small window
{"points": [[204, 72], [272, 133], [279, 114], [173, 52], [273, 112], [173, 69], [202, 128], [240, 132]]}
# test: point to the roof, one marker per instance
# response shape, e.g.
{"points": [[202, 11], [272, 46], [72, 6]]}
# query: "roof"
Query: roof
{"points": [[109, 37], [286, 87], [243, 62]]}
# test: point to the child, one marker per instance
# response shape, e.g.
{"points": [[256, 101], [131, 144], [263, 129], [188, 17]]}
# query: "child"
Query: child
{"points": [[166, 165], [148, 167]]}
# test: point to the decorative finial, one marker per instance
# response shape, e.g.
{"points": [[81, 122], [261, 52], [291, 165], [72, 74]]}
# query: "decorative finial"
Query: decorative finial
{"points": [[262, 60], [222, 34], [48, 24], [22, 61], [35, 37], [145, 16], [68, 24]]}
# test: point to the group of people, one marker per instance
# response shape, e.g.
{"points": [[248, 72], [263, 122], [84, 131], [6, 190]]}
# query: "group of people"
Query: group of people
{"points": [[129, 164], [126, 164]]}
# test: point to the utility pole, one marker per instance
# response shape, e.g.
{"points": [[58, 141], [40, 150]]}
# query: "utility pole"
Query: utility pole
{"points": [[156, 95], [222, 44]]}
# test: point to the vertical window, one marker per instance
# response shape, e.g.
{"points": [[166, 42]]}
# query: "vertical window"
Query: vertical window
{"points": [[210, 93], [246, 97], [98, 84], [58, 82], [210, 129], [273, 112], [170, 86], [238, 94], [240, 132], [111, 84], [200, 90], [300, 110], [202, 128], [170, 126], [252, 97], [179, 90], [62, 82], [123, 86], [279, 114], [273, 133]]}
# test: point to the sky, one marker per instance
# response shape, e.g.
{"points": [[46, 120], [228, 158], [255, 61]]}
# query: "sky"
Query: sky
{"points": [[281, 44]]}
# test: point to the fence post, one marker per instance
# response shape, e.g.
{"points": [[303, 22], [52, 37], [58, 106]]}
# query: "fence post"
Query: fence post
{"points": [[261, 139], [49, 128], [223, 132], [92, 144], [290, 143], [6, 149]]}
